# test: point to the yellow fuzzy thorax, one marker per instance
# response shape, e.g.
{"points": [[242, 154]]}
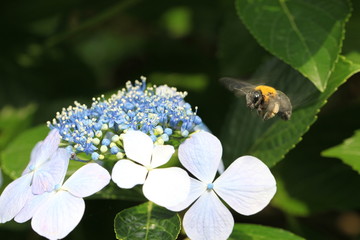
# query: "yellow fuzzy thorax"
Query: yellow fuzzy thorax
{"points": [[266, 91]]}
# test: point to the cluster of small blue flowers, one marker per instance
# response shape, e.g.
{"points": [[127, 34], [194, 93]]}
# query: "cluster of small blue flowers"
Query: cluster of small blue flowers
{"points": [[160, 112]]}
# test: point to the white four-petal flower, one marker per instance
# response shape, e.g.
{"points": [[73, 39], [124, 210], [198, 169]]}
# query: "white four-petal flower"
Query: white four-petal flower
{"points": [[247, 186], [55, 214], [164, 186], [47, 163]]}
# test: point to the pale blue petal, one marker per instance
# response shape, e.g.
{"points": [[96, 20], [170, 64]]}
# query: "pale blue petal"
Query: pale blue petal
{"points": [[58, 164], [48, 147], [58, 216], [14, 197], [42, 182], [201, 154], [87, 180], [196, 189], [34, 153], [247, 185], [167, 186], [208, 219], [161, 155], [127, 174], [31, 206], [51, 173]]}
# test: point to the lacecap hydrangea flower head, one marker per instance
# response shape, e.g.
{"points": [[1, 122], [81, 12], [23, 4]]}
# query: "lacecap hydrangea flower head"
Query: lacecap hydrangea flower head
{"points": [[110, 129], [133, 134], [158, 111]]}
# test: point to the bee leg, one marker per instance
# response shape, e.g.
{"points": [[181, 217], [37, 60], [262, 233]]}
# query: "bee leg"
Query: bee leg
{"points": [[268, 115], [271, 110]]}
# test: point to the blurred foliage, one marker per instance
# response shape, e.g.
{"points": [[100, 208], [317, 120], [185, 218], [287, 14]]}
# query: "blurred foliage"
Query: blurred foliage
{"points": [[53, 53]]}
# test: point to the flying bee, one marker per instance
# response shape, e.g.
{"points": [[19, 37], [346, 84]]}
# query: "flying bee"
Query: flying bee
{"points": [[267, 101]]}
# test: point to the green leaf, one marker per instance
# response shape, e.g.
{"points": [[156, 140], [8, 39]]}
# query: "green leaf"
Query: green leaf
{"points": [[306, 34], [245, 133], [258, 232], [17, 155], [348, 151], [14, 121], [147, 221]]}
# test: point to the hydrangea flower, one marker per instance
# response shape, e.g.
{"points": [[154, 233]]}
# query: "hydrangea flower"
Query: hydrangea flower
{"points": [[47, 163], [163, 186], [160, 112], [247, 186], [55, 214]]}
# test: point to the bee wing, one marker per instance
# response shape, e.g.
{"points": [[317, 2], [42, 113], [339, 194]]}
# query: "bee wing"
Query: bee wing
{"points": [[237, 86], [285, 103]]}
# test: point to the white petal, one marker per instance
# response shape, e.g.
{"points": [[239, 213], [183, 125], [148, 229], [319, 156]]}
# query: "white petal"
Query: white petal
{"points": [[50, 173], [42, 182], [201, 154], [34, 153], [161, 154], [31, 206], [87, 180], [247, 185], [196, 189], [127, 174], [48, 147], [221, 167], [138, 147], [14, 197], [58, 216], [167, 186], [208, 219], [58, 164]]}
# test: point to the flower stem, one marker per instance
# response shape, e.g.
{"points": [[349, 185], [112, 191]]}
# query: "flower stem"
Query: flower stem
{"points": [[149, 211]]}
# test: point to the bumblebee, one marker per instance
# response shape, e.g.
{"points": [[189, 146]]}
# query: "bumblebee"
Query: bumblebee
{"points": [[267, 101]]}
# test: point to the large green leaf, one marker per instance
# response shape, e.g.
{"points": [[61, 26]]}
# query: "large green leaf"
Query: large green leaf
{"points": [[348, 151], [258, 232], [245, 133], [147, 221], [305, 34]]}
